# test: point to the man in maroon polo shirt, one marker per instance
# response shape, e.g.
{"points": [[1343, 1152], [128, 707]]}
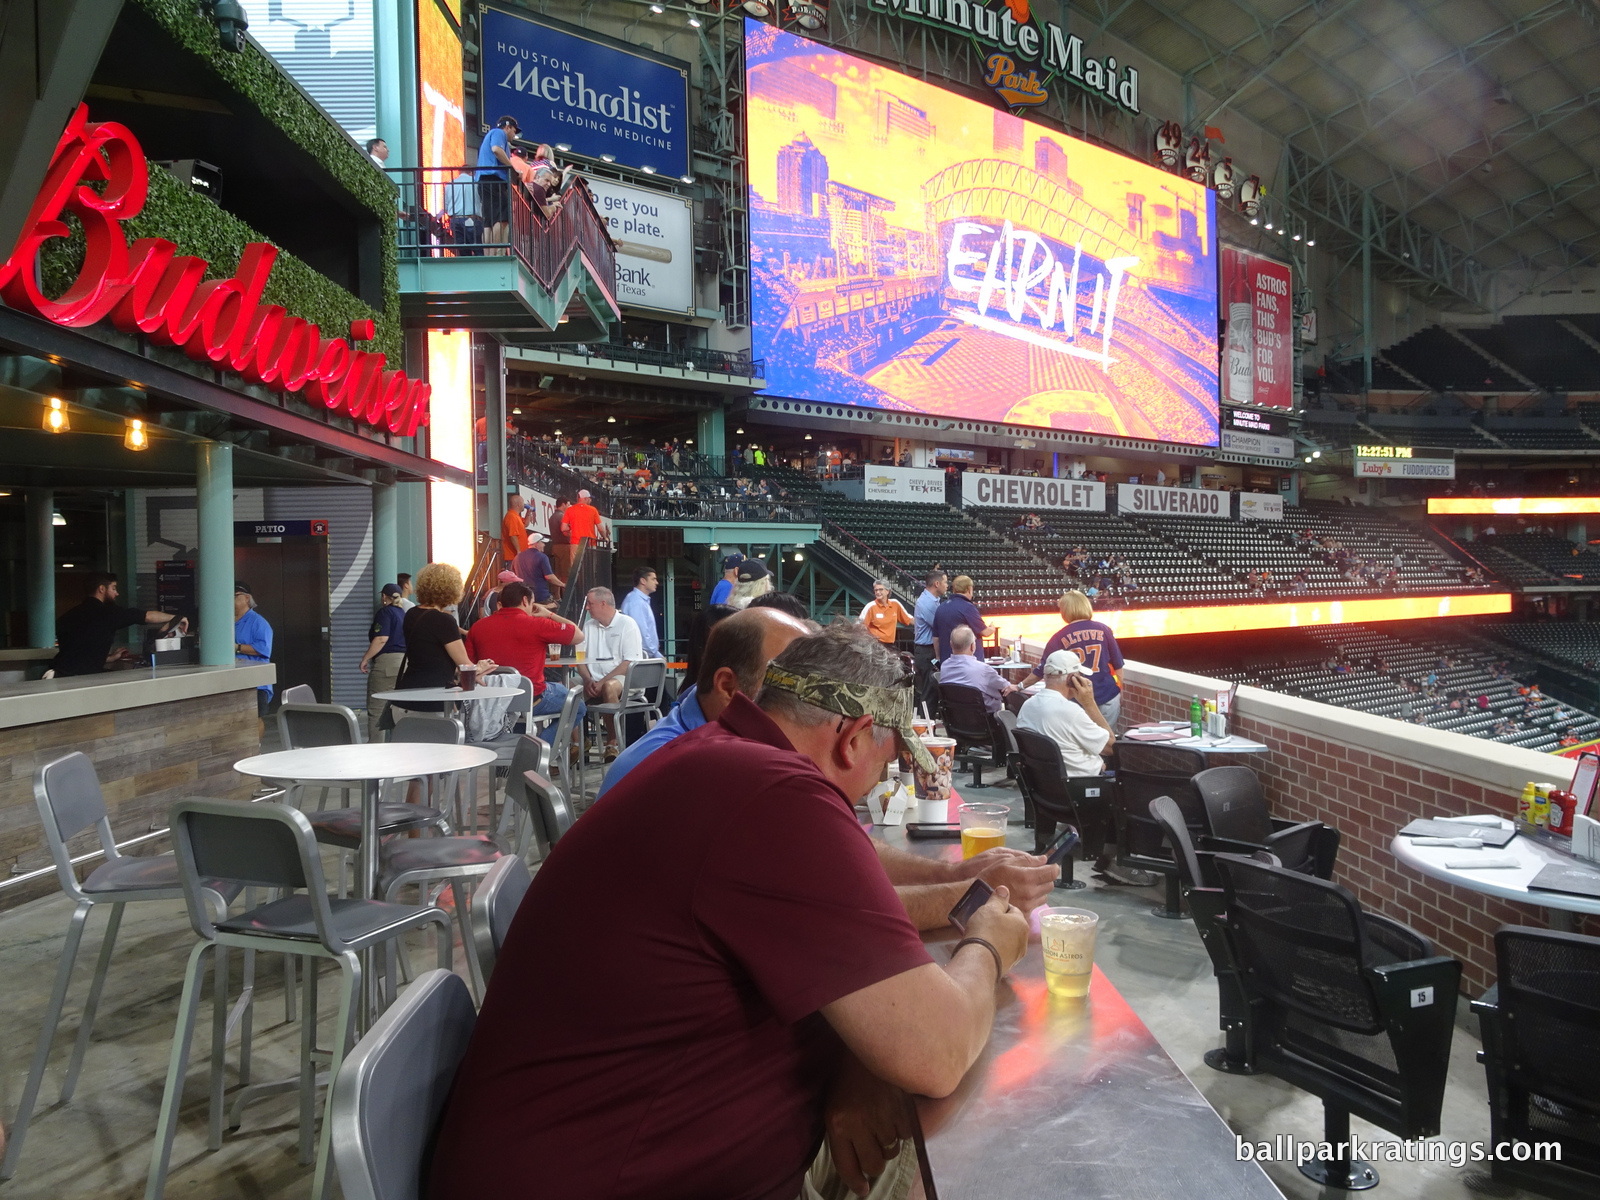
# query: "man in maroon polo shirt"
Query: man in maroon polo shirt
{"points": [[676, 1038]]}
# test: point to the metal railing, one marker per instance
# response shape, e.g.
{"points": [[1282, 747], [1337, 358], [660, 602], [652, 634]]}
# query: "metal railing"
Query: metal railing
{"points": [[650, 507], [713, 495], [529, 465], [445, 212], [591, 568], [689, 358]]}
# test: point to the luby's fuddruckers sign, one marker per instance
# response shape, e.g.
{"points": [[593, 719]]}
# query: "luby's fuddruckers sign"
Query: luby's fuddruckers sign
{"points": [[150, 289]]}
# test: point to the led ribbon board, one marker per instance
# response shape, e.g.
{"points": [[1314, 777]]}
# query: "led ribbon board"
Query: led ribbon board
{"points": [[1235, 618], [1512, 506]]}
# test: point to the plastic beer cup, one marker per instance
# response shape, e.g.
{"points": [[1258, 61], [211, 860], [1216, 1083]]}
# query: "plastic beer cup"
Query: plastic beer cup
{"points": [[983, 827], [1067, 936]]}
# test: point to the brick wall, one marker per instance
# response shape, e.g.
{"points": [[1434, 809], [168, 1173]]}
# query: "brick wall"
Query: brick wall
{"points": [[146, 758], [1348, 769]]}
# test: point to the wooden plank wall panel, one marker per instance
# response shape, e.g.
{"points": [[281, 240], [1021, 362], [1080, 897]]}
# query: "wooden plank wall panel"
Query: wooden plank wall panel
{"points": [[146, 758]]}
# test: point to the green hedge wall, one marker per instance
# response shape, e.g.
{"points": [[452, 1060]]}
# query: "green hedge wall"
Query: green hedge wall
{"points": [[200, 228], [260, 80]]}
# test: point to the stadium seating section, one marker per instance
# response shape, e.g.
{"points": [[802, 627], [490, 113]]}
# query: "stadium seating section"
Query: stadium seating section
{"points": [[1369, 669], [1171, 560]]}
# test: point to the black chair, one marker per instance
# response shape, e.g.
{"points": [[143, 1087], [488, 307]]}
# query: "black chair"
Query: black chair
{"points": [[1003, 732], [1541, 1052], [1348, 1005], [1083, 801], [967, 719], [1236, 809], [1145, 771], [1202, 893]]}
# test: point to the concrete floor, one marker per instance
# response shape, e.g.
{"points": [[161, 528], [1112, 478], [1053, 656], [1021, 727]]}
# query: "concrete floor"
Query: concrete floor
{"points": [[97, 1147]]}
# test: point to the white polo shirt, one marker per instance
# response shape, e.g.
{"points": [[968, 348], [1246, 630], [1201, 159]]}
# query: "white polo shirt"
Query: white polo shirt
{"points": [[1065, 723], [604, 646]]}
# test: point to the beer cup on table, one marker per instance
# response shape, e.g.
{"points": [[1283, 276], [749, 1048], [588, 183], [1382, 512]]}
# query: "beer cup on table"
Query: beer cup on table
{"points": [[1067, 936], [983, 827], [467, 677]]}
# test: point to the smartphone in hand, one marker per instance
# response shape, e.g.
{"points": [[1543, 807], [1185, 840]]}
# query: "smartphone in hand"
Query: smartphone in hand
{"points": [[1062, 847], [971, 901]]}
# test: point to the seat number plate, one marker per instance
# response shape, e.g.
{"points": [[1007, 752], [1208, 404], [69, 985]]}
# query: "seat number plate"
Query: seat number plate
{"points": [[1421, 997]]}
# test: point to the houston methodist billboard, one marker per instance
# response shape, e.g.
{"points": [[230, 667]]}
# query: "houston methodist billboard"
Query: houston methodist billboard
{"points": [[915, 250]]}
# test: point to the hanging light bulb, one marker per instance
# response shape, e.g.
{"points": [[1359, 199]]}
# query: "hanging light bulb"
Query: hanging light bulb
{"points": [[739, 430], [713, 546], [694, 22], [57, 519], [799, 557], [55, 415], [611, 420], [808, 437], [135, 437]]}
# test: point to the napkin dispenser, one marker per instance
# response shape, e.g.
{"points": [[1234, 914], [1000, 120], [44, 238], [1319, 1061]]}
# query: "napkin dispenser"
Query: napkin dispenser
{"points": [[888, 802], [1586, 838]]}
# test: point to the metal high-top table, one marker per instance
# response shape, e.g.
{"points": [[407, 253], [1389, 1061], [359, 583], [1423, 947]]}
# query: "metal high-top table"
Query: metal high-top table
{"points": [[1074, 1098], [371, 765]]}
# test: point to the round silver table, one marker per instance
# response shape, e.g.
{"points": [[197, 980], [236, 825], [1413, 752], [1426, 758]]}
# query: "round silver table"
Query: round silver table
{"points": [[368, 765], [1509, 883]]}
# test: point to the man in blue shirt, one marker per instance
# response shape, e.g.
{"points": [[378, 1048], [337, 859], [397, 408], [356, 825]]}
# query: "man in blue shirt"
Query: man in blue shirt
{"points": [[736, 658], [958, 609], [533, 568], [385, 652], [966, 668], [723, 592], [922, 630], [252, 639], [494, 187], [636, 604]]}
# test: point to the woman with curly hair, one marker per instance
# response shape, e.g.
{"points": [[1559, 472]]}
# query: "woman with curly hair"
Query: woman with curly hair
{"points": [[434, 645]]}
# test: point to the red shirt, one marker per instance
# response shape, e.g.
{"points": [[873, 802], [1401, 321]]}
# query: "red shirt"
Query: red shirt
{"points": [[662, 1041], [515, 638], [581, 520]]}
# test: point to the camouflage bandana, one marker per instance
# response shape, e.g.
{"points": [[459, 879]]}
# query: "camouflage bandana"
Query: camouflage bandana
{"points": [[889, 707]]}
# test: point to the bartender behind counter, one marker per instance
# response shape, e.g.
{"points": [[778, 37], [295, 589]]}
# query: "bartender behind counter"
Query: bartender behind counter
{"points": [[84, 633]]}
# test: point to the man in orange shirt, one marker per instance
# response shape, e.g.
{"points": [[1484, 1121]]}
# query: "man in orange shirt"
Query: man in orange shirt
{"points": [[884, 614], [513, 530], [583, 520]]}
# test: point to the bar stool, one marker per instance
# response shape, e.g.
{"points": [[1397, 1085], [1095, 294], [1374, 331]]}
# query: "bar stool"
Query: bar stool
{"points": [[273, 846], [644, 685], [305, 725], [68, 794], [444, 791]]}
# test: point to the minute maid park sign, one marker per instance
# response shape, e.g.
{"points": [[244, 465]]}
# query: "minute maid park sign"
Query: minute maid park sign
{"points": [[1030, 52]]}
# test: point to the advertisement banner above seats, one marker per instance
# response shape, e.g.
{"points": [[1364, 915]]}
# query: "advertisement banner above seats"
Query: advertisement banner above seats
{"points": [[1143, 500], [1260, 444], [1258, 307], [1256, 506], [568, 86], [1403, 462], [905, 485], [654, 232], [1017, 491]]}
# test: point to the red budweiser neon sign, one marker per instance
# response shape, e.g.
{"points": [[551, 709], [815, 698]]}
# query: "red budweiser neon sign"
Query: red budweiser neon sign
{"points": [[148, 288]]}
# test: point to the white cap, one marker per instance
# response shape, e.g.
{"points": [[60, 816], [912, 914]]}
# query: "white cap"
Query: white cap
{"points": [[583, 494], [1065, 662]]}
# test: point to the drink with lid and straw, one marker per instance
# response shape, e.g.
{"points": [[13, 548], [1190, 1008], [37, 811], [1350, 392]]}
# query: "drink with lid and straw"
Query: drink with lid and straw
{"points": [[983, 827]]}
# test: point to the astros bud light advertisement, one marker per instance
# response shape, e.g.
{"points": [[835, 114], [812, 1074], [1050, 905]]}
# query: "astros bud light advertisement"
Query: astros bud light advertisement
{"points": [[915, 250]]}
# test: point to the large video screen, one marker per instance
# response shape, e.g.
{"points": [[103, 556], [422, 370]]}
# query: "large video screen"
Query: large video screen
{"points": [[915, 250]]}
